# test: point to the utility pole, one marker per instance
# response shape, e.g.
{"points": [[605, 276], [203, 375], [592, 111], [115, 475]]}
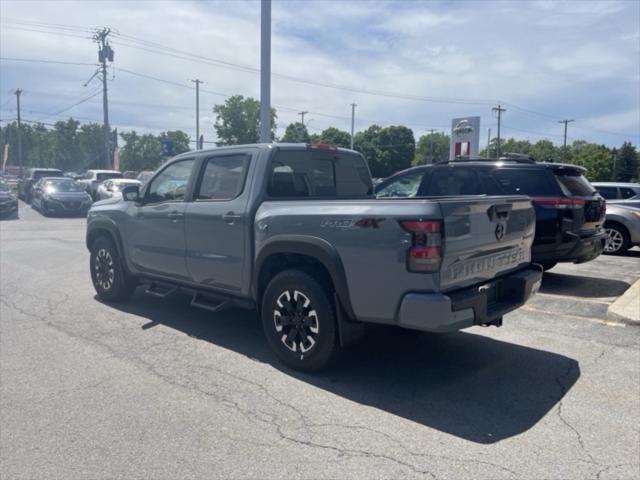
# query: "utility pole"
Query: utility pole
{"points": [[431, 132], [353, 120], [564, 147], [489, 143], [302, 114], [197, 82], [498, 109], [265, 71], [105, 53], [17, 93]]}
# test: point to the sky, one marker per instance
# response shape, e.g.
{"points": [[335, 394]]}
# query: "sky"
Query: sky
{"points": [[413, 63]]}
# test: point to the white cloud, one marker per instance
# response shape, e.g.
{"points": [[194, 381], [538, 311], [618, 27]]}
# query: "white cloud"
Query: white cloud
{"points": [[477, 50]]}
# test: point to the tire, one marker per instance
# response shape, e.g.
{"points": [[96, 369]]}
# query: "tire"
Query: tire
{"points": [[111, 282], [618, 240], [548, 265], [295, 291]]}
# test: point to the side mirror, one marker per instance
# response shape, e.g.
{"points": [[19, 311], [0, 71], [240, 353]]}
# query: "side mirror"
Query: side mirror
{"points": [[131, 193]]}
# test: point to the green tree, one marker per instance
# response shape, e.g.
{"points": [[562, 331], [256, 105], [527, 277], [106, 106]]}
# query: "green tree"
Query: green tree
{"points": [[238, 121], [544, 150], [66, 144], [140, 152], [627, 164], [296, 133], [597, 159], [366, 142], [431, 148], [336, 137], [91, 140], [397, 148]]}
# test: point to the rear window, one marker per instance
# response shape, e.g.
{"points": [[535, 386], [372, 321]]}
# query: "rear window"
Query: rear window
{"points": [[525, 181], [574, 184], [626, 192], [106, 176], [296, 173], [453, 181], [610, 193]]}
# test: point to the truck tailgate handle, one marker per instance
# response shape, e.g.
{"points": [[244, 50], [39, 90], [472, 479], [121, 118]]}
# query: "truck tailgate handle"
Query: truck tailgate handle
{"points": [[499, 212]]}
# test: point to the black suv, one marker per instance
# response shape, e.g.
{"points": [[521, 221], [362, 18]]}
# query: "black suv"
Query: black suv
{"points": [[32, 175], [569, 211]]}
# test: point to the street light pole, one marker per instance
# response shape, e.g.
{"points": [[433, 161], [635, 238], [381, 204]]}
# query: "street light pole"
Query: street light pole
{"points": [[265, 71]]}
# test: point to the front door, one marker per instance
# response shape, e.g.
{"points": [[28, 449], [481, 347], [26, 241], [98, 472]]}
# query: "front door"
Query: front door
{"points": [[155, 237], [216, 223]]}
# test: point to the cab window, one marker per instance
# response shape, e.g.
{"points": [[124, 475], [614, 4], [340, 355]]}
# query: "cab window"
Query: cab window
{"points": [[170, 185], [223, 177]]}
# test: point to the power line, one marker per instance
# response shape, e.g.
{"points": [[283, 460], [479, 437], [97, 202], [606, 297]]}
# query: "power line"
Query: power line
{"points": [[33, 60], [81, 101]]}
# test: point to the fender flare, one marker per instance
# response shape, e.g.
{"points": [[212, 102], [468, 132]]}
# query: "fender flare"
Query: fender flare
{"points": [[313, 247], [97, 225]]}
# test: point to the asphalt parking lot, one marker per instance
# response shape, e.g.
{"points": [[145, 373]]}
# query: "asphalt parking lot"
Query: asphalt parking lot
{"points": [[157, 389]]}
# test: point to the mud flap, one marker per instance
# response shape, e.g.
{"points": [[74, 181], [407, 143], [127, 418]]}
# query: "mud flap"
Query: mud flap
{"points": [[349, 331]]}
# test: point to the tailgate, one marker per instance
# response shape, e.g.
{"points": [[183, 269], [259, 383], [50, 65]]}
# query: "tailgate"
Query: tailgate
{"points": [[484, 237]]}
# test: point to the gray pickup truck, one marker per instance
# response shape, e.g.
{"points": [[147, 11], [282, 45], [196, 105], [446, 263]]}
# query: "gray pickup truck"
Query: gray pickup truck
{"points": [[295, 231]]}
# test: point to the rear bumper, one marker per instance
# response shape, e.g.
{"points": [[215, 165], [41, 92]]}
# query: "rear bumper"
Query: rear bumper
{"points": [[577, 249], [437, 312]]}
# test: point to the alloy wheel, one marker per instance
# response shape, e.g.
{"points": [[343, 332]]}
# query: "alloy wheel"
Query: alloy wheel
{"points": [[296, 321], [104, 269], [615, 240]]}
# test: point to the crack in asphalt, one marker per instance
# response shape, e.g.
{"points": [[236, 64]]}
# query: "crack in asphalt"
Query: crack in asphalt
{"points": [[563, 391]]}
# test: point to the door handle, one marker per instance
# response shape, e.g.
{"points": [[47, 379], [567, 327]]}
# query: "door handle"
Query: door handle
{"points": [[175, 216], [231, 217]]}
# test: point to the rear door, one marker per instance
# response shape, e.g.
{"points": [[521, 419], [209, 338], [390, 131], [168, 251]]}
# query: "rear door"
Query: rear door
{"points": [[155, 233], [217, 223]]}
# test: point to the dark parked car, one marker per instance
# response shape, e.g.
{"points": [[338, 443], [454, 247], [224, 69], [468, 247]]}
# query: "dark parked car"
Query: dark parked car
{"points": [[8, 201], [25, 185], [569, 212], [60, 196]]}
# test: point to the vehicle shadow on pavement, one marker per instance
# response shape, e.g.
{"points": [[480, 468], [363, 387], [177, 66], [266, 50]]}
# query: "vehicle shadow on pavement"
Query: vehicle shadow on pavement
{"points": [[467, 385], [581, 286]]}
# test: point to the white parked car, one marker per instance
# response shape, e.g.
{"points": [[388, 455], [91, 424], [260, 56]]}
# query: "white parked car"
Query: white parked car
{"points": [[113, 187]]}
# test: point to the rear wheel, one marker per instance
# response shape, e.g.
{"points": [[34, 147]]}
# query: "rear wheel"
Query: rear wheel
{"points": [[618, 239], [111, 282], [299, 321]]}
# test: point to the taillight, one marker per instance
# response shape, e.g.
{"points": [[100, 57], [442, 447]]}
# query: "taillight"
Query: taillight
{"points": [[425, 253], [560, 203]]}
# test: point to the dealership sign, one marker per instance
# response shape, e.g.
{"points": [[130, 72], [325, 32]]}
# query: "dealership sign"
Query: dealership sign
{"points": [[465, 137]]}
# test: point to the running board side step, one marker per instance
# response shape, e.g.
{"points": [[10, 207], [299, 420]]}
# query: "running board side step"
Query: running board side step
{"points": [[210, 302], [160, 290]]}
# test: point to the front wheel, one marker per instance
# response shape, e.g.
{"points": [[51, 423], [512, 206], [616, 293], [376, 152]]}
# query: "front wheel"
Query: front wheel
{"points": [[111, 282], [618, 239], [299, 321]]}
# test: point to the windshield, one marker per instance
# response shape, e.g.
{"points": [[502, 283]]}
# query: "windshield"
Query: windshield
{"points": [[106, 176], [46, 173], [575, 184], [4, 187], [62, 186]]}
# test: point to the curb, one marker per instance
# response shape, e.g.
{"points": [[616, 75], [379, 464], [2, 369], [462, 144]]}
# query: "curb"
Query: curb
{"points": [[626, 308]]}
